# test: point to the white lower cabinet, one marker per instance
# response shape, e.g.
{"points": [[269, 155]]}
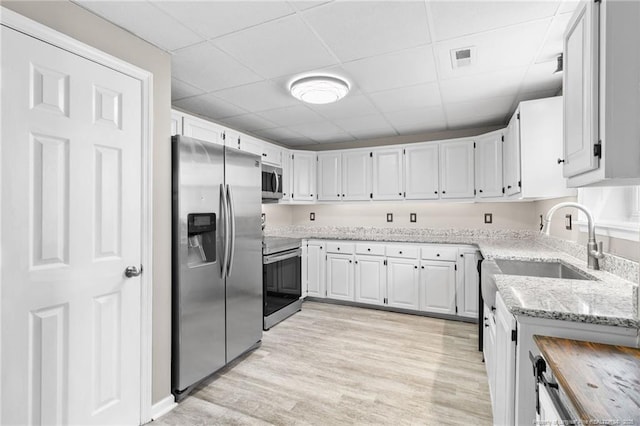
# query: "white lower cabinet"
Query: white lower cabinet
{"points": [[548, 414], [402, 283], [315, 269], [438, 287], [505, 363], [488, 347], [370, 279], [340, 273], [418, 277]]}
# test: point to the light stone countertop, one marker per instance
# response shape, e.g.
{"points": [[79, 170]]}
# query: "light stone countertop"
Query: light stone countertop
{"points": [[609, 299]]}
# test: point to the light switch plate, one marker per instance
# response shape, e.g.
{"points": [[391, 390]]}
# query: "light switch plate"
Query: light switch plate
{"points": [[389, 217], [413, 217], [312, 216], [488, 218], [567, 222]]}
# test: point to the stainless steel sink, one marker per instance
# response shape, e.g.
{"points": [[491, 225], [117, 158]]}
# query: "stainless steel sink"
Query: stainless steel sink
{"points": [[540, 269]]}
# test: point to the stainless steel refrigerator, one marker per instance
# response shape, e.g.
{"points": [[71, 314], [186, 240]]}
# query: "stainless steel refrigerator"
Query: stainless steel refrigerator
{"points": [[217, 258]]}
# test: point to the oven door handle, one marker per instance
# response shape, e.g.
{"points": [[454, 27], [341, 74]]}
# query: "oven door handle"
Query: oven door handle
{"points": [[278, 257]]}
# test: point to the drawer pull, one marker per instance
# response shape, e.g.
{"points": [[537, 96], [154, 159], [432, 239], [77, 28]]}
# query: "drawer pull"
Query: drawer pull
{"points": [[438, 255], [368, 249], [400, 252]]}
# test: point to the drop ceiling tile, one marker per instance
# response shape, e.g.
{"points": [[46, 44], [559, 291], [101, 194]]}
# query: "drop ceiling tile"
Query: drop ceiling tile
{"points": [[459, 18], [488, 85], [157, 27], [292, 115], [307, 4], [350, 106], [181, 90], [300, 143], [257, 97], [215, 18], [248, 122], [279, 134], [541, 77], [479, 111], [405, 98], [208, 68], [316, 131], [404, 68], [209, 106], [334, 138], [277, 48], [496, 50], [358, 29], [366, 123], [552, 46], [535, 95], [415, 121], [478, 121]]}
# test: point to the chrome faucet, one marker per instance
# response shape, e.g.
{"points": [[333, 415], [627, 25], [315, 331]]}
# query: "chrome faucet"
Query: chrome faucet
{"points": [[594, 250]]}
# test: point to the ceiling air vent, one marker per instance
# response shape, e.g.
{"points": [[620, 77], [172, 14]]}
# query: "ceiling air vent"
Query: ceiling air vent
{"points": [[463, 57]]}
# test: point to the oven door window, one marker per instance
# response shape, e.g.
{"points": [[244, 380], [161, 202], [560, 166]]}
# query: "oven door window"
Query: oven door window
{"points": [[282, 284]]}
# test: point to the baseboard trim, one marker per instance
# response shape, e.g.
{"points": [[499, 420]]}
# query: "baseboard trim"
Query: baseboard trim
{"points": [[162, 407]]}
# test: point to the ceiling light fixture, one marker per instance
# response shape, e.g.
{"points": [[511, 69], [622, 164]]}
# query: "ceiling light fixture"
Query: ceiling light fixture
{"points": [[319, 89]]}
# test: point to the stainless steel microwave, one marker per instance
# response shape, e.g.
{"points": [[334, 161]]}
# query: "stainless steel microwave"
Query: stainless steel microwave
{"points": [[271, 183]]}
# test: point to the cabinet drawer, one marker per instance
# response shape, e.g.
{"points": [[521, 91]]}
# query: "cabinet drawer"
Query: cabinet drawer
{"points": [[374, 249], [343, 248], [440, 253], [408, 252]]}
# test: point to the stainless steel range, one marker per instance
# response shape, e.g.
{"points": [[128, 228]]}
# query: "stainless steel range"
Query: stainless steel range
{"points": [[281, 278]]}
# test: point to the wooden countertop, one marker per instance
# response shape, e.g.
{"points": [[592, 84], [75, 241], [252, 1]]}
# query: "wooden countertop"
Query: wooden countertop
{"points": [[601, 381]]}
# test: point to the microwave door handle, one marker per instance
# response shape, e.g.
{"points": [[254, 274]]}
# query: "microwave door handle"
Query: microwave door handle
{"points": [[275, 172], [225, 229], [274, 181], [232, 228]]}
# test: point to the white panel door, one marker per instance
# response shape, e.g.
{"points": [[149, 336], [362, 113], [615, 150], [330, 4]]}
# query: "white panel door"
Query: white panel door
{"points": [[340, 277], [304, 176], [457, 169], [489, 165], [467, 278], [421, 171], [370, 279], [71, 224], [438, 287], [196, 128], [580, 86], [329, 176], [402, 283], [387, 174], [511, 156], [356, 175], [316, 269]]}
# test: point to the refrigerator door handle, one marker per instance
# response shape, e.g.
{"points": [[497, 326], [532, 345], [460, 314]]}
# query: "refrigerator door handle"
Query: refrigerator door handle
{"points": [[232, 222], [224, 211]]}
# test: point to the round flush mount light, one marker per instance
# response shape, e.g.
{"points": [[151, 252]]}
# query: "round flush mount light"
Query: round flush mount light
{"points": [[319, 89]]}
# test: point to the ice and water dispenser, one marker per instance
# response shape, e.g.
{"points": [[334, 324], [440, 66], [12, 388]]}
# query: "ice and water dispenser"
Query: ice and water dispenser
{"points": [[201, 230]]}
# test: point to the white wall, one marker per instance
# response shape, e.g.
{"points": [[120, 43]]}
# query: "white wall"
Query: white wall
{"points": [[76, 22]]}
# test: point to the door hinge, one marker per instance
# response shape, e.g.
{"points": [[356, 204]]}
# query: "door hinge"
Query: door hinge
{"points": [[385, 300], [518, 116], [385, 262], [597, 149], [371, 195], [455, 267], [456, 309], [514, 336], [503, 189], [474, 192], [519, 184], [371, 154], [502, 137], [404, 194], [224, 136], [404, 151], [474, 145]]}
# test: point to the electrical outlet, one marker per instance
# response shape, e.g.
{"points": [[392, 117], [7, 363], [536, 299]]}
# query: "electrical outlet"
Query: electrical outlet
{"points": [[488, 218], [389, 217], [567, 222], [413, 217], [312, 216]]}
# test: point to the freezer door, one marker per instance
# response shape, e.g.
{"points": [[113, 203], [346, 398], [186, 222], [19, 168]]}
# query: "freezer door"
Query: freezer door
{"points": [[244, 282], [198, 341]]}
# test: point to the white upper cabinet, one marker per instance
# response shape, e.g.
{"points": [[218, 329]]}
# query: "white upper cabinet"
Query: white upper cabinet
{"points": [[329, 176], [204, 130], [601, 96], [176, 123], [531, 150], [356, 175], [388, 174], [488, 159], [252, 145], [511, 156], [422, 175], [457, 169], [304, 175], [287, 175], [580, 86], [272, 154], [232, 138]]}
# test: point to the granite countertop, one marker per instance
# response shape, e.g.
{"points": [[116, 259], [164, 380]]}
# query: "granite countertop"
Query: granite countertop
{"points": [[609, 299]]}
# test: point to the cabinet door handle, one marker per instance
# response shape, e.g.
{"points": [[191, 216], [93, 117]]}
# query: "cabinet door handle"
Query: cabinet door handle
{"points": [[480, 190], [422, 267], [437, 254], [560, 160], [337, 195], [343, 195], [444, 192], [435, 192], [350, 261], [400, 252], [399, 193], [356, 262], [508, 186], [415, 266]]}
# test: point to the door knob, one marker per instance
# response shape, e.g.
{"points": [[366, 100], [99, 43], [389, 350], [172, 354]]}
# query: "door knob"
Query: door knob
{"points": [[132, 271]]}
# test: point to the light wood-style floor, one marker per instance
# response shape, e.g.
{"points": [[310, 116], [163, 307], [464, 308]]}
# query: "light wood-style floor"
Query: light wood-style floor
{"points": [[337, 365]]}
